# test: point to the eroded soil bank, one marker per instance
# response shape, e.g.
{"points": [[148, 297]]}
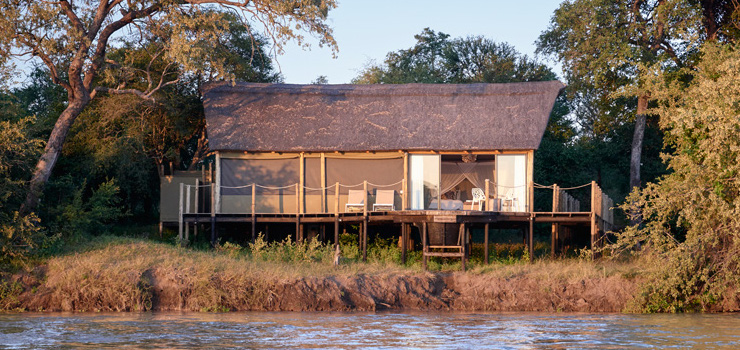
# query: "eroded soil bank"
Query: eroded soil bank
{"points": [[172, 289]]}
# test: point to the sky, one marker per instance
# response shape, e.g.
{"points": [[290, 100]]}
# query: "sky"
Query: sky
{"points": [[368, 30]]}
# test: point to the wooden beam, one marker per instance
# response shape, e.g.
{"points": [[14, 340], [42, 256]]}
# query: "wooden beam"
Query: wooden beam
{"points": [[424, 245], [254, 212], [464, 245], [530, 178], [180, 212], [364, 202], [364, 240], [405, 185], [593, 217], [218, 182], [197, 190], [486, 202], [554, 226], [485, 242], [302, 183], [213, 214], [531, 239], [324, 208], [404, 241]]}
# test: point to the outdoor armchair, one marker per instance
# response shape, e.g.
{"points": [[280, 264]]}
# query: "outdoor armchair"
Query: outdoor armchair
{"points": [[384, 200], [356, 201]]}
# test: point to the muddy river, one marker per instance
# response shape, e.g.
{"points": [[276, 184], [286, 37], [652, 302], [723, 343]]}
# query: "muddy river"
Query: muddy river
{"points": [[160, 330]]}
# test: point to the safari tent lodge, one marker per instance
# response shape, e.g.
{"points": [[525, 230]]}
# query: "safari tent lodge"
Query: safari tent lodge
{"points": [[440, 158]]}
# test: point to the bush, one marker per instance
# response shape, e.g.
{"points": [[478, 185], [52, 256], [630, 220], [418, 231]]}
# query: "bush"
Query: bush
{"points": [[91, 216], [690, 222], [20, 240]]}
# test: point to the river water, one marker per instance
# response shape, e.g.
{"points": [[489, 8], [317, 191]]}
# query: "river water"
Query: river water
{"points": [[160, 330]]}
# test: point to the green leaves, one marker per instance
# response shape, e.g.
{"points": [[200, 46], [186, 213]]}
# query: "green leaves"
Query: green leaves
{"points": [[438, 59], [691, 215]]}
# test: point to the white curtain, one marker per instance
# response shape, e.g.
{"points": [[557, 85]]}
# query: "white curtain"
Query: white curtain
{"points": [[454, 173]]}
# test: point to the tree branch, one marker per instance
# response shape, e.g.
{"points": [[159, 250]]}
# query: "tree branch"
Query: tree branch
{"points": [[99, 55], [138, 93], [67, 9]]}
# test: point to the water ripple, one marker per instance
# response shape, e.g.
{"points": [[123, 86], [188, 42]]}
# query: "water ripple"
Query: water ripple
{"points": [[367, 331]]}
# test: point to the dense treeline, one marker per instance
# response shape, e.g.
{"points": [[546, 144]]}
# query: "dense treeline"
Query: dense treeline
{"points": [[651, 109]]}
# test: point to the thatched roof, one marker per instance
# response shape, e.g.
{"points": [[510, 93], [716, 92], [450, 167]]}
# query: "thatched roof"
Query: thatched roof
{"points": [[441, 117]]}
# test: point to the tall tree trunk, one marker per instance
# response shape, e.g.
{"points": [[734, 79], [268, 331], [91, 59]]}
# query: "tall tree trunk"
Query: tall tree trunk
{"points": [[636, 155], [51, 153], [637, 139]]}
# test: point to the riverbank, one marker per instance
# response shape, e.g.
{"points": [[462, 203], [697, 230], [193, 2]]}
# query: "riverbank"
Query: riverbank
{"points": [[118, 274]]}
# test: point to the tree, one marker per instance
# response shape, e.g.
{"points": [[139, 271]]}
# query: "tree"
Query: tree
{"points": [[135, 142], [73, 38], [438, 59], [604, 44], [690, 215]]}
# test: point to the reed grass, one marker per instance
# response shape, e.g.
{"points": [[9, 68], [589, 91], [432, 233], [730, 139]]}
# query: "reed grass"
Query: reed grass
{"points": [[113, 273]]}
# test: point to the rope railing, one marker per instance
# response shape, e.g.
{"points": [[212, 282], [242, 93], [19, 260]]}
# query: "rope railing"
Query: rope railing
{"points": [[562, 201]]}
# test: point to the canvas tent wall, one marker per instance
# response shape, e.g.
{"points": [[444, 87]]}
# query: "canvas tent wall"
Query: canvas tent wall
{"points": [[169, 194], [276, 176]]}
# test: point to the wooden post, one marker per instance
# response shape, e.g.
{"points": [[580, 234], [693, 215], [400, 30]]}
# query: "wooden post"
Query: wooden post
{"points": [[300, 229], [486, 203], [364, 202], [485, 242], [197, 189], [531, 238], [424, 245], [405, 184], [593, 217], [197, 205], [179, 216], [364, 238], [187, 211], [218, 183], [324, 205], [530, 178], [254, 213], [213, 214], [464, 233], [404, 241], [364, 223], [302, 183], [554, 228], [336, 214]]}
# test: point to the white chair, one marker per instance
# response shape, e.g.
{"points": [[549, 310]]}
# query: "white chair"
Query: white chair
{"points": [[511, 201], [355, 201], [478, 197], [384, 200]]}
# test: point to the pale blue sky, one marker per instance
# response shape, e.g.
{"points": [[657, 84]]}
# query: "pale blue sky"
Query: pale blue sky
{"points": [[367, 30]]}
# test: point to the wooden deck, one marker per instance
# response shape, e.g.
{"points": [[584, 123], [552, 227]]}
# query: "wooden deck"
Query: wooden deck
{"points": [[565, 219], [422, 219]]}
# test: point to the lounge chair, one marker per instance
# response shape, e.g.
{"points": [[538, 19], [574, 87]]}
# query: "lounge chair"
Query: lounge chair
{"points": [[356, 201], [384, 200]]}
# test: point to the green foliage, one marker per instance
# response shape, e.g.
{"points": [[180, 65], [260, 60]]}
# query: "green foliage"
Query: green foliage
{"points": [[17, 153], [21, 239], [438, 59], [289, 251], [690, 228], [9, 293], [92, 215]]}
